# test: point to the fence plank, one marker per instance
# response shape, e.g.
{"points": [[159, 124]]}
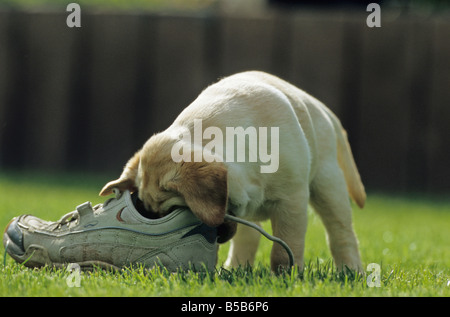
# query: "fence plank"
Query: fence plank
{"points": [[439, 141], [418, 79], [4, 74], [247, 44], [113, 85], [13, 137], [181, 72], [146, 82], [79, 96], [317, 59], [49, 60], [383, 135], [281, 50]]}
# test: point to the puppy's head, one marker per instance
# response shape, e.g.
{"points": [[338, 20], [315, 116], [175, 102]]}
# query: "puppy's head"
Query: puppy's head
{"points": [[163, 184]]}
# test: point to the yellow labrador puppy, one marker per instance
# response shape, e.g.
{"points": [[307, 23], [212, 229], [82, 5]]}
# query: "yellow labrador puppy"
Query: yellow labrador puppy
{"points": [[257, 147]]}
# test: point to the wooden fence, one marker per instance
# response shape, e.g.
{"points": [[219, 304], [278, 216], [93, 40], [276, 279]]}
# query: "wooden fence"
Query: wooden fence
{"points": [[87, 98]]}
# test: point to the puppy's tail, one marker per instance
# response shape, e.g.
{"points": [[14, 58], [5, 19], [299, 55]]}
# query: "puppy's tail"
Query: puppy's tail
{"points": [[346, 161]]}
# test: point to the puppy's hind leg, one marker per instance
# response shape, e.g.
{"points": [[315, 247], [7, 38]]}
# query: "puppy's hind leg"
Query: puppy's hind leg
{"points": [[329, 197]]}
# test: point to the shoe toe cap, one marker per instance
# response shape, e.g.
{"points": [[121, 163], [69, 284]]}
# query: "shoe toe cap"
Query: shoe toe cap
{"points": [[13, 238]]}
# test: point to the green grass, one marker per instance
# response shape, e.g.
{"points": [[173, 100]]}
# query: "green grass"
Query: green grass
{"points": [[408, 237]]}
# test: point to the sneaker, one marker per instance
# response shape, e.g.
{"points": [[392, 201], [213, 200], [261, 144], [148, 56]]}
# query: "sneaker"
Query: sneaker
{"points": [[113, 235]]}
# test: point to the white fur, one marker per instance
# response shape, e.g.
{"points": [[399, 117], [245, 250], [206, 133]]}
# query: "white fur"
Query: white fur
{"points": [[308, 165]]}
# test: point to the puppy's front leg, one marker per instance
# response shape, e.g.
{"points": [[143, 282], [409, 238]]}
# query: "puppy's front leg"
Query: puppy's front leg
{"points": [[289, 222], [243, 247]]}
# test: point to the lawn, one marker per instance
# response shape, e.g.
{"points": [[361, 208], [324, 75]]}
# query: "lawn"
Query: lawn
{"points": [[407, 236]]}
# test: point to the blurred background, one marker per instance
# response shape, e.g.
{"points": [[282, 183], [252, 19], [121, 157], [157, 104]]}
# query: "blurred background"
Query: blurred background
{"points": [[85, 99]]}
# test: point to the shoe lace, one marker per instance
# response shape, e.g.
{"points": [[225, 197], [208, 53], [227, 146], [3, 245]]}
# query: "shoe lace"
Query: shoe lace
{"points": [[67, 219]]}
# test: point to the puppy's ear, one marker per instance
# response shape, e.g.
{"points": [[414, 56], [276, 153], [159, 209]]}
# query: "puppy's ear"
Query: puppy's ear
{"points": [[126, 181], [226, 231], [121, 183], [204, 188]]}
